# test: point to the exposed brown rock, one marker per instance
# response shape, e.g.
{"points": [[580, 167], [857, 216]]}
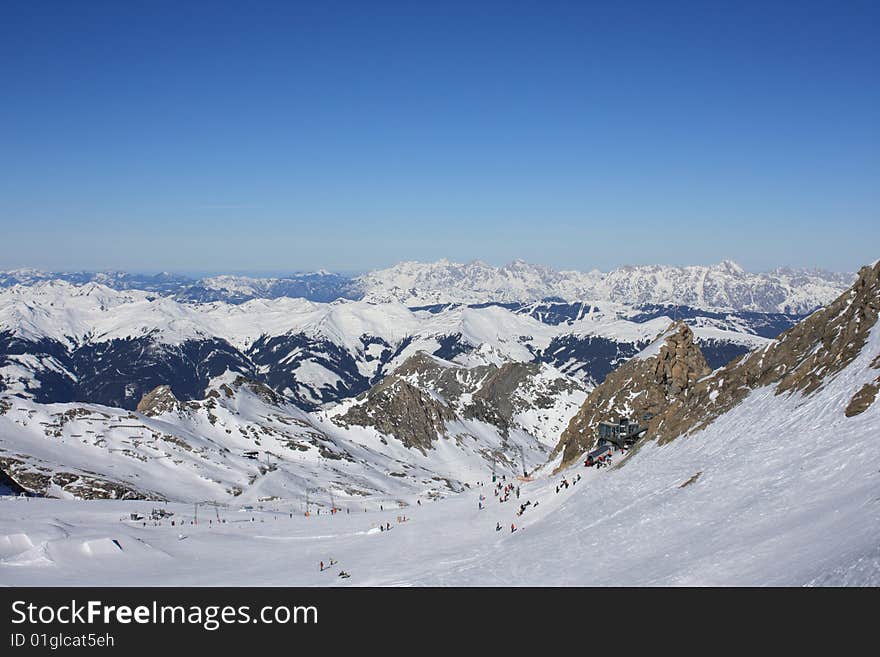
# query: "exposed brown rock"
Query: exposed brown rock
{"points": [[158, 401], [863, 398], [401, 406], [37, 479], [397, 408], [639, 386], [800, 360]]}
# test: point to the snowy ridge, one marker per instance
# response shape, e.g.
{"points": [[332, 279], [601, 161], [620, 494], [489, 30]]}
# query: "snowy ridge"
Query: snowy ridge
{"points": [[778, 488], [74, 314], [59, 341], [241, 443], [780, 491], [724, 286]]}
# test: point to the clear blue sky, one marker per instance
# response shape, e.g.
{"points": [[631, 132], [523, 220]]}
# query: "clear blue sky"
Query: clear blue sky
{"points": [[258, 136]]}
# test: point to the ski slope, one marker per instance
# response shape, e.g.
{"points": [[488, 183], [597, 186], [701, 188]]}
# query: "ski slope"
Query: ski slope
{"points": [[781, 489], [788, 493]]}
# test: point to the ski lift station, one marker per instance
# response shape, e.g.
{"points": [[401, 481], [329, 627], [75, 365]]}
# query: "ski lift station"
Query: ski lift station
{"points": [[622, 433]]}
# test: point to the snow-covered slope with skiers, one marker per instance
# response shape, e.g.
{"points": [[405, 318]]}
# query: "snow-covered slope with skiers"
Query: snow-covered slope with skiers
{"points": [[243, 443], [780, 490], [760, 472]]}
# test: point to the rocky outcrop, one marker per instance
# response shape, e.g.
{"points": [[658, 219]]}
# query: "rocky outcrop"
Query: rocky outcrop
{"points": [[425, 392], [396, 408], [801, 360], [35, 478], [511, 389], [649, 383], [158, 401], [863, 398]]}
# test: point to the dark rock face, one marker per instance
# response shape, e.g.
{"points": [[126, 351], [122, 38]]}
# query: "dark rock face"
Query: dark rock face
{"points": [[118, 373], [452, 346], [718, 353], [54, 377], [9, 486], [588, 358], [638, 387], [767, 325], [280, 357], [863, 399]]}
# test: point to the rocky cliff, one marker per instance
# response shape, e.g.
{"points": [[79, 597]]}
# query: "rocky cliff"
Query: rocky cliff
{"points": [[416, 404], [801, 360], [666, 371]]}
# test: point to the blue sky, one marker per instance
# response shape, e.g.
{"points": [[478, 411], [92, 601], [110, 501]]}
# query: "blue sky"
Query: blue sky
{"points": [[273, 137]]}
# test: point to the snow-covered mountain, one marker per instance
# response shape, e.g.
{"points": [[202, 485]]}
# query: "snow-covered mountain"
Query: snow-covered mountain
{"points": [[246, 443], [427, 398], [837, 347], [163, 283], [761, 472], [725, 286], [316, 286], [62, 342]]}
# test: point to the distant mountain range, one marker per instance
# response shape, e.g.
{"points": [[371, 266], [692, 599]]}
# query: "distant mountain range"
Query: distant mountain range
{"points": [[131, 394], [725, 286], [63, 342]]}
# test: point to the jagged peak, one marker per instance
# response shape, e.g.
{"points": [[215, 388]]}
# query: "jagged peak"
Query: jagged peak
{"points": [[643, 386], [158, 401]]}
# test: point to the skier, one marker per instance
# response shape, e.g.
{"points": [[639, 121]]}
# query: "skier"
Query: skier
{"points": [[322, 566], [498, 527], [512, 528]]}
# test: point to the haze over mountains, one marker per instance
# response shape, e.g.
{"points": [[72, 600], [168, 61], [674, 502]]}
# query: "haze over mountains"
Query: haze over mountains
{"points": [[723, 286]]}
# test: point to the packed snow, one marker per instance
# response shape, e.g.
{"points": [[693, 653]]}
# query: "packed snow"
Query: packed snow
{"points": [[782, 490]]}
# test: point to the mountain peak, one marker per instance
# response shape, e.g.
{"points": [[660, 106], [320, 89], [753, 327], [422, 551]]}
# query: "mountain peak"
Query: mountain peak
{"points": [[731, 267], [158, 401]]}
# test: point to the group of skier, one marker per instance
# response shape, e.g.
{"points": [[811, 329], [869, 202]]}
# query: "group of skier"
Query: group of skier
{"points": [[502, 491], [564, 483]]}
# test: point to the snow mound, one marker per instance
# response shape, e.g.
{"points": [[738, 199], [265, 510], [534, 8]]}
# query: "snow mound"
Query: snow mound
{"points": [[102, 547], [12, 544], [36, 557]]}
